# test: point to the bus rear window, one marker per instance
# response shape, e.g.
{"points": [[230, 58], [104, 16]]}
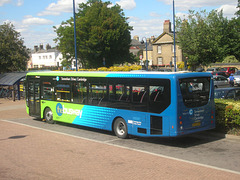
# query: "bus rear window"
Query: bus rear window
{"points": [[195, 91]]}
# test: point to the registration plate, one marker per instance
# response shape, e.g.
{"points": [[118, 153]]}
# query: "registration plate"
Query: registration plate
{"points": [[196, 124]]}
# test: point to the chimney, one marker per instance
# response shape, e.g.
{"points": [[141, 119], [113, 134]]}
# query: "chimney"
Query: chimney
{"points": [[35, 48], [41, 47], [136, 38], [167, 26], [152, 38], [48, 47]]}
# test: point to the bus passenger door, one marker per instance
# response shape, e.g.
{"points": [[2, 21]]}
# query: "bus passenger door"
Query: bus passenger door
{"points": [[34, 98]]}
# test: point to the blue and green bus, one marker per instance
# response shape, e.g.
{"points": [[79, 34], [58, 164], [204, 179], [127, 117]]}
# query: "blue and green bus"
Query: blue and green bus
{"points": [[148, 104]]}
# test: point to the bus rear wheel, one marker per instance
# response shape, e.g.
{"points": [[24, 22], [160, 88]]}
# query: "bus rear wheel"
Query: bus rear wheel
{"points": [[48, 115], [120, 128]]}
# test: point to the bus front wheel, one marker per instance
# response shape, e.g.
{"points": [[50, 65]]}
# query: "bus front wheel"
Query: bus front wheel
{"points": [[120, 128], [48, 116]]}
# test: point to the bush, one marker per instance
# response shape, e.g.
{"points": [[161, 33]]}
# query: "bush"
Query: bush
{"points": [[228, 116], [230, 59], [115, 68]]}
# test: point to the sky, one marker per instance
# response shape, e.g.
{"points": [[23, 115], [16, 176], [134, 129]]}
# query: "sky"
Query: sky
{"points": [[34, 19]]}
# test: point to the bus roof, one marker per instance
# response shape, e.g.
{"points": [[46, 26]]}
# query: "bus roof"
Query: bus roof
{"points": [[147, 74]]}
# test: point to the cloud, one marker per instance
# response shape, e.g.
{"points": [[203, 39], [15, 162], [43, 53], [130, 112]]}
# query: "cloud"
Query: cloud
{"points": [[154, 14], [16, 2], [30, 20], [146, 28], [60, 6], [20, 2], [127, 4], [228, 10], [184, 5], [40, 37], [2, 2]]}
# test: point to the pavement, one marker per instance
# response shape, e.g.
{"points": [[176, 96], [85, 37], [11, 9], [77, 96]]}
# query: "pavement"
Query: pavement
{"points": [[32, 153]]}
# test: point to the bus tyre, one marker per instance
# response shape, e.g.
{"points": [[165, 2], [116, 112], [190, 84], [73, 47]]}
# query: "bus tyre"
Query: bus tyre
{"points": [[120, 128], [48, 115]]}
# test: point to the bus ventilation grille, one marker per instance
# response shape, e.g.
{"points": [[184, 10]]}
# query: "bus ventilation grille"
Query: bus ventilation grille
{"points": [[156, 125]]}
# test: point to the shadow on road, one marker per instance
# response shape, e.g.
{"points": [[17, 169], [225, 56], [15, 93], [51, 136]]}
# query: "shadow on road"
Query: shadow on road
{"points": [[185, 141]]}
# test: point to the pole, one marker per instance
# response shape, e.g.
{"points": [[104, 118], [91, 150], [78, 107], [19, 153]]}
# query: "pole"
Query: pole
{"points": [[174, 44], [146, 62], [75, 39], [146, 56]]}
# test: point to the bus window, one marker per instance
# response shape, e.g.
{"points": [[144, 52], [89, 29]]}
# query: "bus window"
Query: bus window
{"points": [[63, 92], [159, 95], [195, 91], [47, 91], [139, 98], [123, 92], [97, 93], [138, 94], [79, 92]]}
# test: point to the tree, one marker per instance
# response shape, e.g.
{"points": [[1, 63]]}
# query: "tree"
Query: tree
{"points": [[233, 37], [202, 37], [103, 35], [238, 11], [13, 54]]}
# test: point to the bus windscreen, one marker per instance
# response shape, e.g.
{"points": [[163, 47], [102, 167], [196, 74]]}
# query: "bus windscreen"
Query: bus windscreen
{"points": [[195, 91]]}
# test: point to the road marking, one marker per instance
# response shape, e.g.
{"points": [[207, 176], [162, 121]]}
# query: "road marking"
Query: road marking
{"points": [[133, 149]]}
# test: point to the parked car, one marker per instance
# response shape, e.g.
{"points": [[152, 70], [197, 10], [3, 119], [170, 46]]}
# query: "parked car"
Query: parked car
{"points": [[219, 73], [220, 81], [227, 93], [228, 70], [213, 69], [164, 70], [200, 69], [237, 78]]}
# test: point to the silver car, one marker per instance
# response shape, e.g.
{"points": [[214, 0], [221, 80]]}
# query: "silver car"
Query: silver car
{"points": [[220, 81], [237, 78]]}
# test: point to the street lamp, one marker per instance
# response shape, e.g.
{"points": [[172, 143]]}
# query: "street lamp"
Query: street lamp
{"points": [[146, 52], [75, 39], [174, 44]]}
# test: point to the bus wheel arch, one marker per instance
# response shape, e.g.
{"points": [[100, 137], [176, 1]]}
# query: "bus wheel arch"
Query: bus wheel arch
{"points": [[120, 128], [48, 115]]}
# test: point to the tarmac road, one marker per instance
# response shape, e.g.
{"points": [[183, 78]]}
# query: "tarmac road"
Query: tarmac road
{"points": [[42, 151]]}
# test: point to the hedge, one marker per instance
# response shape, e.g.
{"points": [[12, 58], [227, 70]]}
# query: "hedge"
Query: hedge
{"points": [[227, 116]]}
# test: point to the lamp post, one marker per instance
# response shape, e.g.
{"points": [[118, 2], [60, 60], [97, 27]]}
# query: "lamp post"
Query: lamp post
{"points": [[174, 42], [75, 39], [146, 52]]}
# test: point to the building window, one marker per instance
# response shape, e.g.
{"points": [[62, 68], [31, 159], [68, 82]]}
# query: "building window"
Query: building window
{"points": [[39, 57], [160, 61], [50, 56], [159, 49]]}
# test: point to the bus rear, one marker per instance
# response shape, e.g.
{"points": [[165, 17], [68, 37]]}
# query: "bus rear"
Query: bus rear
{"points": [[195, 105]]}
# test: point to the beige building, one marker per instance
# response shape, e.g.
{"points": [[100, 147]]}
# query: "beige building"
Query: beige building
{"points": [[163, 48]]}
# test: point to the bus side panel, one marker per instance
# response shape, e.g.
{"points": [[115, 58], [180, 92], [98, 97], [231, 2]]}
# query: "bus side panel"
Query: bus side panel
{"points": [[85, 115]]}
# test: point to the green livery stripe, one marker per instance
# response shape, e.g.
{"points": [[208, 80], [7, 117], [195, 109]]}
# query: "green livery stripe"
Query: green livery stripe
{"points": [[68, 74]]}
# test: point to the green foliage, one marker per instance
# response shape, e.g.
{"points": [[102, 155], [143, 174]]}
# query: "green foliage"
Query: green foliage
{"points": [[13, 54], [227, 115], [102, 33], [208, 37], [116, 68], [233, 37], [230, 59]]}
